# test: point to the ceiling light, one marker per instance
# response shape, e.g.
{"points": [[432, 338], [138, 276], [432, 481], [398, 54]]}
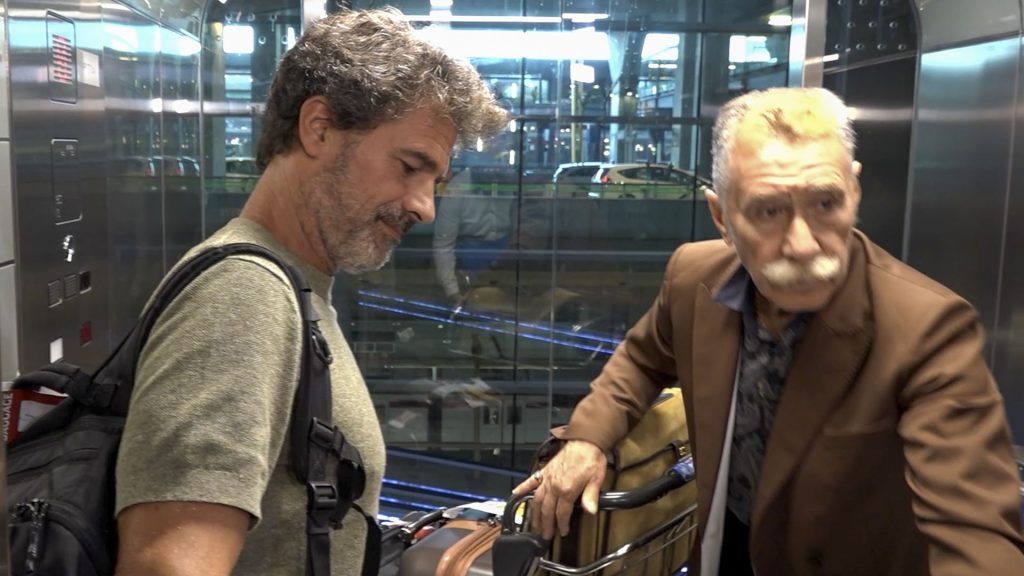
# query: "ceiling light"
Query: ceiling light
{"points": [[583, 16]]}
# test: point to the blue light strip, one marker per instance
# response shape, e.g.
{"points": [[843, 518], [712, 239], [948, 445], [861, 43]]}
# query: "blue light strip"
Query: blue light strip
{"points": [[463, 312], [477, 315], [436, 490], [420, 456], [479, 326], [408, 504]]}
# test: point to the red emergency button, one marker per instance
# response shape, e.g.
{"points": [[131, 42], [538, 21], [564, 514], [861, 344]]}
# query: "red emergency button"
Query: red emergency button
{"points": [[85, 333]]}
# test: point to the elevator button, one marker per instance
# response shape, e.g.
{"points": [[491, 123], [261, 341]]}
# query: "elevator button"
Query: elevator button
{"points": [[54, 292], [71, 286]]}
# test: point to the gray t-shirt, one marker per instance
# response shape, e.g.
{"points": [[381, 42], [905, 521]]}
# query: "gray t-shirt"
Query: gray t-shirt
{"points": [[210, 413]]}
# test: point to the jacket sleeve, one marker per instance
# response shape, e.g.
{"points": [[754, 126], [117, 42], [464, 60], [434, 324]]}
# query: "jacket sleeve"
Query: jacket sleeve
{"points": [[642, 365], [960, 462]]}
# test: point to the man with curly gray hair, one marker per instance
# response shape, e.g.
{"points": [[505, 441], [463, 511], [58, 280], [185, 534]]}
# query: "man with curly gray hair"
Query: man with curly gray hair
{"points": [[360, 123]]}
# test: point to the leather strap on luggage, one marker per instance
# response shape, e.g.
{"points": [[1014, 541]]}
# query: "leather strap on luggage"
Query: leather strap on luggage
{"points": [[457, 560]]}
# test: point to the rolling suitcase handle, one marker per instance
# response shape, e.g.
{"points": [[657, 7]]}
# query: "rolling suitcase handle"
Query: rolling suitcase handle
{"points": [[517, 554], [675, 477], [408, 532]]}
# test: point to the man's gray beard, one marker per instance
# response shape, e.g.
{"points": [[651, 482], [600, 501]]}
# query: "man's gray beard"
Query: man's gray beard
{"points": [[355, 267], [348, 245]]}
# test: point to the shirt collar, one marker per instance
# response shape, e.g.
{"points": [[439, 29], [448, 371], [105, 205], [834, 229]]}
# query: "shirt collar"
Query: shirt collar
{"points": [[734, 294], [737, 294]]}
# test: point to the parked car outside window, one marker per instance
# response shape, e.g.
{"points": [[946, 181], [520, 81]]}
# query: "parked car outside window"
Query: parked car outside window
{"points": [[661, 181]]}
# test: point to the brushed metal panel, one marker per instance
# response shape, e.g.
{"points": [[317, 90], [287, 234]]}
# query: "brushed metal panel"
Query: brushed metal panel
{"points": [[949, 22], [5, 76], [36, 121], [8, 324], [807, 43], [881, 98], [960, 169], [1007, 339], [6, 203]]}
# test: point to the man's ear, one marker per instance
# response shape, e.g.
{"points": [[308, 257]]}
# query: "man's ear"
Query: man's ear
{"points": [[856, 168], [313, 128], [718, 214]]}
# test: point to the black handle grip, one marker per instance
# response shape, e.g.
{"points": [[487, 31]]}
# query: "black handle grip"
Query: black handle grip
{"points": [[676, 477], [516, 554]]}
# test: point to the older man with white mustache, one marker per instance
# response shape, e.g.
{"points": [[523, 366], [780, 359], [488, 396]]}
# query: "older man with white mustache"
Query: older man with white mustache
{"points": [[842, 416], [786, 274]]}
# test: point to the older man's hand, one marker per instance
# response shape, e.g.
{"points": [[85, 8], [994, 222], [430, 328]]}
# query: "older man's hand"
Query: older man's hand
{"points": [[579, 467]]}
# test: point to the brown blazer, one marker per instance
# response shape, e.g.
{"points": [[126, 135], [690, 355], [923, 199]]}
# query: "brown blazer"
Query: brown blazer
{"points": [[890, 452]]}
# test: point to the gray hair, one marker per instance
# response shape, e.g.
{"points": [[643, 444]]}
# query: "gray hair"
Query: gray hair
{"points": [[372, 67], [795, 114]]}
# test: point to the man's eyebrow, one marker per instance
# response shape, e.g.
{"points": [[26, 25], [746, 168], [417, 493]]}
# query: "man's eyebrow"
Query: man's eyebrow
{"points": [[772, 197], [425, 160], [830, 189]]}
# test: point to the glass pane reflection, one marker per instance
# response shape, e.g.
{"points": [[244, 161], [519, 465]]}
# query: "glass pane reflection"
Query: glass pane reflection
{"points": [[243, 40], [551, 240]]}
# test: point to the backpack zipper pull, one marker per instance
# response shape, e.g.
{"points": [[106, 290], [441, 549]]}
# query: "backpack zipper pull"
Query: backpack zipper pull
{"points": [[35, 511]]}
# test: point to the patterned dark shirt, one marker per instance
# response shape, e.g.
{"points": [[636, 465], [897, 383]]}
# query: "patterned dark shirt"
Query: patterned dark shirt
{"points": [[763, 366]]}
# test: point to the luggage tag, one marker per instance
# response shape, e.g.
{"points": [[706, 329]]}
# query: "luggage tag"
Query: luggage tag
{"points": [[476, 510]]}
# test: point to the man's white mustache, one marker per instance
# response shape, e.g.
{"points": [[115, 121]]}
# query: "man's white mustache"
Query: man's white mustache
{"points": [[784, 272]]}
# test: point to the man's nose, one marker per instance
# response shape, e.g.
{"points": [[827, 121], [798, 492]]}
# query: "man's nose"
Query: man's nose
{"points": [[420, 203], [800, 241]]}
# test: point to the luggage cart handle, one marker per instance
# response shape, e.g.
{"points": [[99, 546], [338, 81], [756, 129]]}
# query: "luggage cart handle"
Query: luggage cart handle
{"points": [[520, 554], [408, 532], [675, 477], [681, 525]]}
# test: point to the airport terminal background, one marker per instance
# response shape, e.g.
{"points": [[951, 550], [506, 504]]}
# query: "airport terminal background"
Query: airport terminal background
{"points": [[550, 240]]}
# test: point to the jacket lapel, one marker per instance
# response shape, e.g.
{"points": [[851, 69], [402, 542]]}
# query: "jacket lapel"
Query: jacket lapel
{"points": [[825, 365], [716, 340]]}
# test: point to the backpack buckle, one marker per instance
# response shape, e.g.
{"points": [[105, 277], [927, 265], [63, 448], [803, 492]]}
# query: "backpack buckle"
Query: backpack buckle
{"points": [[321, 496], [326, 436]]}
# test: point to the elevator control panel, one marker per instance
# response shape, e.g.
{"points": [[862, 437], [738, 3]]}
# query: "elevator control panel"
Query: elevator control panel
{"points": [[67, 177]]}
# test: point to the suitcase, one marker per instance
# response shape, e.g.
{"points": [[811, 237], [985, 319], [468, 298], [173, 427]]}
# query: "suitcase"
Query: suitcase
{"points": [[459, 548], [475, 544], [455, 542]]}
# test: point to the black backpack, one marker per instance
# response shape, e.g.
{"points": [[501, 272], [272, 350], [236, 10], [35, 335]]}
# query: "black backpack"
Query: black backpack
{"points": [[60, 471]]}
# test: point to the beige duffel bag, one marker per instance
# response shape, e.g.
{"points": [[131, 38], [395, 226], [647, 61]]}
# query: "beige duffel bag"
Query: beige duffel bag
{"points": [[652, 447]]}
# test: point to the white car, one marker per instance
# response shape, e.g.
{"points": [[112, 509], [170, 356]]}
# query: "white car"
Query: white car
{"points": [[636, 180], [574, 179]]}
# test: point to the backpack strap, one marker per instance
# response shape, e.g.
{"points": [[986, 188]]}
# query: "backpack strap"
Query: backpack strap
{"points": [[314, 439], [60, 377], [312, 435]]}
